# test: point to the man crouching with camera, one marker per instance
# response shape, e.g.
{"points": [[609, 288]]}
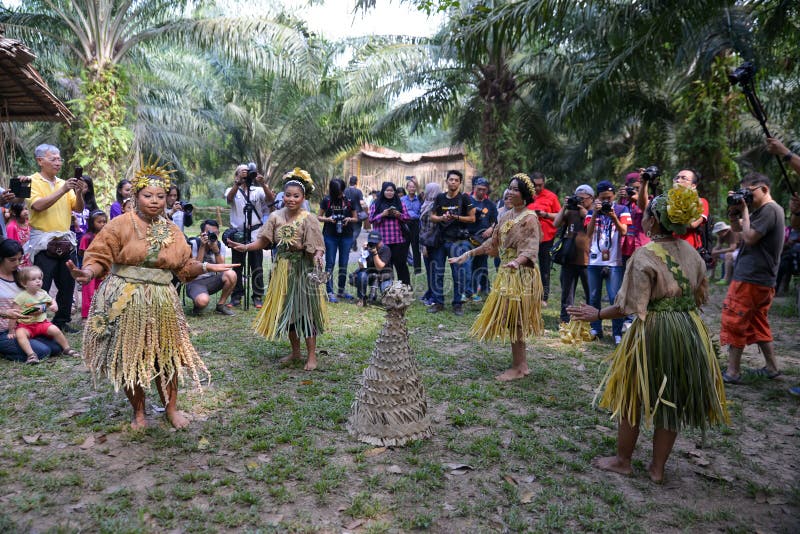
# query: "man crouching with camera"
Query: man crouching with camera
{"points": [[208, 248], [375, 274]]}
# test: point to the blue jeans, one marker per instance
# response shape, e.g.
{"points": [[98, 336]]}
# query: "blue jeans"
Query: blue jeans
{"points": [[613, 283], [480, 274], [365, 280], [340, 244], [41, 345], [452, 250]]}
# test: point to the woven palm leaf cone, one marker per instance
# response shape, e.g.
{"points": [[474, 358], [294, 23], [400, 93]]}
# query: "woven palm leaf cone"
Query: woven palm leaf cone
{"points": [[391, 409]]}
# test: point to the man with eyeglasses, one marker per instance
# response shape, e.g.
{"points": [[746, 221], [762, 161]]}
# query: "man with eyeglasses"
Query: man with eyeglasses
{"points": [[573, 216], [686, 177], [744, 310]]}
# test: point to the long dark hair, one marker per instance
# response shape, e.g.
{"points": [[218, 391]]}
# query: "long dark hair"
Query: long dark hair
{"points": [[336, 189], [120, 184], [16, 210], [8, 248], [89, 200], [383, 203], [92, 218]]}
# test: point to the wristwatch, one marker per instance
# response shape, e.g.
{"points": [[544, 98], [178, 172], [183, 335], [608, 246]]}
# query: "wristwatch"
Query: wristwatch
{"points": [[788, 157]]}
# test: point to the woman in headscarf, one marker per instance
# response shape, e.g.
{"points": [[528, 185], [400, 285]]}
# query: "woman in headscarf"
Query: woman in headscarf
{"points": [[432, 190], [665, 372], [388, 216]]}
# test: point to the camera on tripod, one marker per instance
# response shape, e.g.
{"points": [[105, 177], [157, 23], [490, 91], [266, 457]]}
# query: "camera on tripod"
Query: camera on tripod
{"points": [[252, 172], [743, 74], [735, 198]]}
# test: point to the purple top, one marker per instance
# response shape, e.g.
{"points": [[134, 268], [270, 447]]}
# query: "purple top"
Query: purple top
{"points": [[115, 210], [388, 227]]}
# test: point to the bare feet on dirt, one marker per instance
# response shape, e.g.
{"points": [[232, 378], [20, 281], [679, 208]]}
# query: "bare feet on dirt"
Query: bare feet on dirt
{"points": [[289, 359], [311, 364], [178, 419], [614, 464], [513, 374], [656, 474], [138, 422]]}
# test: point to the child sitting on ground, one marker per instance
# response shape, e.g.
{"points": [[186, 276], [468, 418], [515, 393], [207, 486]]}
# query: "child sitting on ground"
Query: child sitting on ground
{"points": [[34, 303]]}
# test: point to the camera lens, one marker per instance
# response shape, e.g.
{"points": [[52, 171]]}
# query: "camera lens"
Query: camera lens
{"points": [[212, 237]]}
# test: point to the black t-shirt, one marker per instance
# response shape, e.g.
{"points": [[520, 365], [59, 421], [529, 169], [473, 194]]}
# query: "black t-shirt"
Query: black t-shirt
{"points": [[355, 196], [343, 208], [485, 215], [458, 205], [385, 254]]}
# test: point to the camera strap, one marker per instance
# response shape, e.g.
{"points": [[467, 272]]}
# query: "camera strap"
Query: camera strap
{"points": [[248, 201]]}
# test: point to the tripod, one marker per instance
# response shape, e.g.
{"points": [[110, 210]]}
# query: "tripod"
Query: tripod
{"points": [[249, 210]]}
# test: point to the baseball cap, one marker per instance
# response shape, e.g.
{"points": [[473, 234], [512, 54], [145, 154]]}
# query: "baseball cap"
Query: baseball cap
{"points": [[605, 185], [584, 190], [720, 227], [374, 238], [480, 180], [632, 177]]}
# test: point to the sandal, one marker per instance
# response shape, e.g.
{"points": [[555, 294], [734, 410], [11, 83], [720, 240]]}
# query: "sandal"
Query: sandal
{"points": [[33, 359], [766, 373], [730, 379], [72, 353]]}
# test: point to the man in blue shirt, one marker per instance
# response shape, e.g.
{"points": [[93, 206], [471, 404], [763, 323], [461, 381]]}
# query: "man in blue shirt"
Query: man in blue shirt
{"points": [[485, 221], [413, 205]]}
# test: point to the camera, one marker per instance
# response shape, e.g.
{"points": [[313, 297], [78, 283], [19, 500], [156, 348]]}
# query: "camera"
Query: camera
{"points": [[573, 203], [735, 198], [187, 208], [19, 188], [743, 74], [212, 237], [252, 172], [339, 220], [606, 207], [630, 191], [651, 174]]}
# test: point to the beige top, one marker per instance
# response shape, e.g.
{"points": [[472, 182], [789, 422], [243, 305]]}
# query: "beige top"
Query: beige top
{"points": [[309, 237], [523, 235], [647, 277], [120, 243]]}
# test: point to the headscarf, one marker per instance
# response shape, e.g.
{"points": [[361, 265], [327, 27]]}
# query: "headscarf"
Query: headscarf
{"points": [[383, 203], [432, 190]]}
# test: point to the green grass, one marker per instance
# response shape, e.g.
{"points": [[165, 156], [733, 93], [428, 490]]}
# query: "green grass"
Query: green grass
{"points": [[268, 448]]}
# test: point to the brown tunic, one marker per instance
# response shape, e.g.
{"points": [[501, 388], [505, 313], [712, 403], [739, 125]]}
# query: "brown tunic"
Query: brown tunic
{"points": [[523, 236], [309, 236]]}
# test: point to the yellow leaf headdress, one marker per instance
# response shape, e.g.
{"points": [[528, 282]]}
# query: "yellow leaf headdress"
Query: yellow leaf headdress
{"points": [[522, 177], [151, 174], [677, 209], [300, 177]]}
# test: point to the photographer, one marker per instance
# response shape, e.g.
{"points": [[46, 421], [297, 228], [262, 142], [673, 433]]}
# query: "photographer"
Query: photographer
{"points": [[605, 224], [744, 311], [774, 146], [573, 216], [629, 196], [338, 216], [375, 274], [477, 267], [545, 204], [177, 211], [208, 248], [250, 188], [686, 177]]}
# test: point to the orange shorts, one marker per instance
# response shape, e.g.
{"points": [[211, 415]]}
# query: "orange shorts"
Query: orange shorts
{"points": [[744, 314], [36, 329]]}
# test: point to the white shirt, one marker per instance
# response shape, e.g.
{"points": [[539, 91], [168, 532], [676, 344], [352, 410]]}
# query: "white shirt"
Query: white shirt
{"points": [[257, 198]]}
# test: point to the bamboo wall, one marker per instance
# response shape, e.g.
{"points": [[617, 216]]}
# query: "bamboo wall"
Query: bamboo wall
{"points": [[372, 172]]}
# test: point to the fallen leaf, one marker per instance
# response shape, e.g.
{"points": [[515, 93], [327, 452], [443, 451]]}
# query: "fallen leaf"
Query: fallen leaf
{"points": [[30, 440], [102, 438], [88, 443], [252, 465], [440, 326], [713, 476], [461, 411], [202, 444], [527, 497], [761, 497], [458, 469], [342, 508], [263, 458], [394, 469], [702, 462], [159, 409], [511, 480], [354, 524], [374, 452], [234, 469], [547, 356], [306, 382]]}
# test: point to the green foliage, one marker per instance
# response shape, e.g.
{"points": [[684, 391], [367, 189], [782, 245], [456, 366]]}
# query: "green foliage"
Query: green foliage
{"points": [[101, 136]]}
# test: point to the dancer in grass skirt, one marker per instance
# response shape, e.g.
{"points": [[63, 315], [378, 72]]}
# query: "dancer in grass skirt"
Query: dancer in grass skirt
{"points": [[513, 310], [136, 331], [294, 304], [665, 372]]}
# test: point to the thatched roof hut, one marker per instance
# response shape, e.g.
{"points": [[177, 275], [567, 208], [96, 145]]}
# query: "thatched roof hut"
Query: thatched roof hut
{"points": [[24, 95], [374, 165]]}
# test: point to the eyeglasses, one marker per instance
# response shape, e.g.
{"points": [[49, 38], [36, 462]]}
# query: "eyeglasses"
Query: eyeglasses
{"points": [[754, 188]]}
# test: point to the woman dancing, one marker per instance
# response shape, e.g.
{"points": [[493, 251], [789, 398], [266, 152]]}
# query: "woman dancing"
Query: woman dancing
{"points": [[136, 331], [665, 371], [513, 308], [294, 304]]}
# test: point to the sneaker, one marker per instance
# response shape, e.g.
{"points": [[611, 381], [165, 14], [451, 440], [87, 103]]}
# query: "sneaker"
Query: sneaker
{"points": [[458, 309], [258, 303], [595, 334], [224, 310], [435, 308], [476, 298], [617, 340], [332, 298], [345, 296]]}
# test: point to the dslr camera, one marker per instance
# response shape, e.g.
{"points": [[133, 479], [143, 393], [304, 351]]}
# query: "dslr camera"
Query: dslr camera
{"points": [[211, 236], [252, 172], [606, 207], [187, 208], [735, 198], [339, 220], [630, 191], [651, 174], [573, 203], [743, 74]]}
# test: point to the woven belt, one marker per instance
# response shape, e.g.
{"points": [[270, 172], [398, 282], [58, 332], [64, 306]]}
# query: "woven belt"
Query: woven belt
{"points": [[135, 273]]}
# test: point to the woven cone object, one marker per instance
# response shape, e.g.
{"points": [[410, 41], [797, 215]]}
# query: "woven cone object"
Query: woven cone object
{"points": [[391, 409]]}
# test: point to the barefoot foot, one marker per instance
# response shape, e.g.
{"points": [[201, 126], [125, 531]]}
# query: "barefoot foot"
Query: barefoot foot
{"points": [[614, 464], [512, 374], [138, 422], [311, 364], [178, 419], [656, 475], [289, 359]]}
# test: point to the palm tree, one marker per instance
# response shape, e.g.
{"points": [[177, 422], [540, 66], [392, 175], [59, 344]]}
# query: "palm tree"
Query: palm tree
{"points": [[104, 42]]}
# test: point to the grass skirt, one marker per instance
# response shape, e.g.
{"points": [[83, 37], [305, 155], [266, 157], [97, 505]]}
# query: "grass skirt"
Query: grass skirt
{"points": [[136, 331], [666, 368], [513, 310], [292, 302]]}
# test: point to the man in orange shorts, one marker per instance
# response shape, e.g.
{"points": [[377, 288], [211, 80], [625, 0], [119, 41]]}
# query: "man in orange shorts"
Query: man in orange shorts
{"points": [[744, 311]]}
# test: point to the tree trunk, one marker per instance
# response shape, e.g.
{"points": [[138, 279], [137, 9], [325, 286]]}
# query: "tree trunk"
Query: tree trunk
{"points": [[497, 89]]}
